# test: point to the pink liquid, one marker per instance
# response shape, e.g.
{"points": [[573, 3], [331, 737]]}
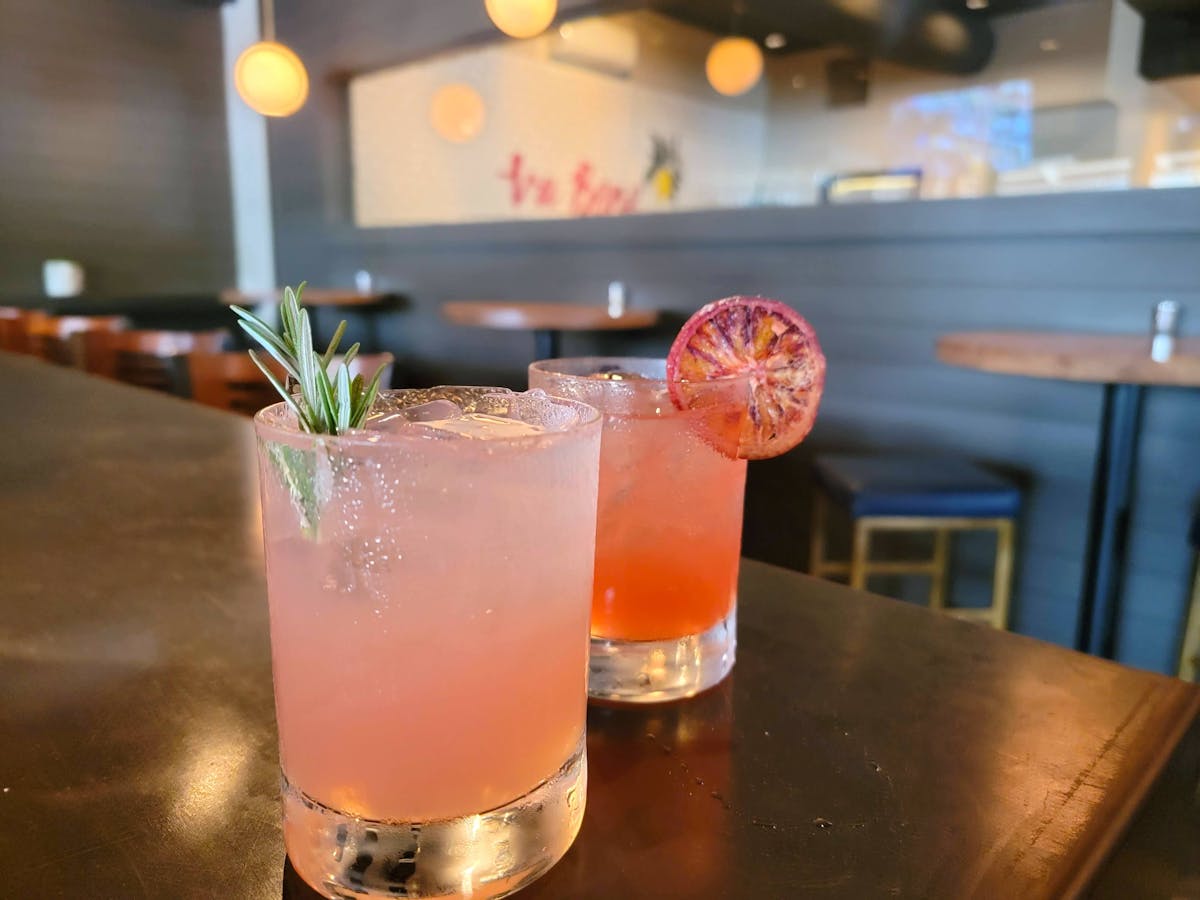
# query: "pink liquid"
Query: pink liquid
{"points": [[430, 644]]}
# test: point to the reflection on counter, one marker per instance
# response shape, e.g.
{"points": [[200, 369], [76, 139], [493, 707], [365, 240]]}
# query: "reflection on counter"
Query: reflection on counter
{"points": [[662, 110]]}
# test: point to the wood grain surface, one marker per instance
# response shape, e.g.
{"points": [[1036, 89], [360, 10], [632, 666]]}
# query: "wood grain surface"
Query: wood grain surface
{"points": [[512, 316], [312, 297], [1107, 358], [862, 747]]}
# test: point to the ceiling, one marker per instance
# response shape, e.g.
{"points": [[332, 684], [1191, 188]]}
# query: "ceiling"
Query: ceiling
{"points": [[939, 35]]}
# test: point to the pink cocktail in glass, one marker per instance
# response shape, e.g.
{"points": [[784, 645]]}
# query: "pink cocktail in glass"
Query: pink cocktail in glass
{"points": [[429, 582]]}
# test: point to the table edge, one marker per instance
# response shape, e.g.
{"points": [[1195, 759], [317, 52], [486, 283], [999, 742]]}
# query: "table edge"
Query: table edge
{"points": [[1179, 708], [312, 297], [954, 349], [495, 315]]}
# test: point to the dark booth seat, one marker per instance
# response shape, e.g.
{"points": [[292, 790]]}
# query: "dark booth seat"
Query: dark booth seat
{"points": [[929, 487]]}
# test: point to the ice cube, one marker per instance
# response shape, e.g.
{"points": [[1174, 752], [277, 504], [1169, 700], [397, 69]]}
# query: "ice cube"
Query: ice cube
{"points": [[395, 420], [433, 410], [385, 420], [482, 426], [537, 408]]}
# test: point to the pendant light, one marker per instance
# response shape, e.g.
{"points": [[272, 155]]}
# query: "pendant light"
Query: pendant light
{"points": [[457, 113], [270, 77], [521, 18], [734, 65]]}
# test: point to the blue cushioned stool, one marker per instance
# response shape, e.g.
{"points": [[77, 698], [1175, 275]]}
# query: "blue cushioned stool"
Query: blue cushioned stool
{"points": [[1189, 655], [917, 493]]}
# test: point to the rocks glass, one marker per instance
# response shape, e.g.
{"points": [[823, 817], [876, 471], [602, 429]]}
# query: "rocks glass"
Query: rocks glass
{"points": [[668, 538], [429, 579]]}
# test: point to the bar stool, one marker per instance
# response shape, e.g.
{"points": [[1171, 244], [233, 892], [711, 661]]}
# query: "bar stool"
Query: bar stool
{"points": [[916, 494], [1189, 653]]}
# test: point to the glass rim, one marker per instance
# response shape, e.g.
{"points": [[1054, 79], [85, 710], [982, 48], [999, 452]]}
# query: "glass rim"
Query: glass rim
{"points": [[543, 366], [266, 423]]}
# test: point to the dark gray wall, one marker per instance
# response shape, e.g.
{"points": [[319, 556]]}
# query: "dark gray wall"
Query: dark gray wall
{"points": [[879, 283], [112, 145]]}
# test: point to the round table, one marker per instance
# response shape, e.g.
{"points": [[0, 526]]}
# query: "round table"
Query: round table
{"points": [[1123, 365], [547, 321], [311, 297]]}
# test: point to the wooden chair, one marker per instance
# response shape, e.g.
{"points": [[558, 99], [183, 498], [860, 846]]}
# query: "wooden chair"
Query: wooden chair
{"points": [[233, 382], [12, 331], [916, 494], [59, 339], [149, 359], [15, 327]]}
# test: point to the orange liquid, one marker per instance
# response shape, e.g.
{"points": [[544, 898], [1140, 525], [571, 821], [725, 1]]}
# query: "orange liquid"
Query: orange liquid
{"points": [[668, 535]]}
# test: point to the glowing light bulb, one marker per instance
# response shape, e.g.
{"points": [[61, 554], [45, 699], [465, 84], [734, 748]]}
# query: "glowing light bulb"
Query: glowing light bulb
{"points": [[734, 65], [271, 79], [457, 113], [521, 18]]}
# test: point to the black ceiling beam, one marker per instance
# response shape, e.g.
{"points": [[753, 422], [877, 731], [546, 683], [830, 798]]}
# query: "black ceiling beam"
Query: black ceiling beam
{"points": [[926, 34]]}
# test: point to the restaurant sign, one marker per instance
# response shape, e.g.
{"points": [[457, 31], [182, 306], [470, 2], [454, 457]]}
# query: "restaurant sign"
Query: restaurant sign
{"points": [[534, 138]]}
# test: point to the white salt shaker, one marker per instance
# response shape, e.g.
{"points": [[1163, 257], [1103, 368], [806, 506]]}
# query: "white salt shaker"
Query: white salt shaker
{"points": [[618, 298], [1164, 330]]}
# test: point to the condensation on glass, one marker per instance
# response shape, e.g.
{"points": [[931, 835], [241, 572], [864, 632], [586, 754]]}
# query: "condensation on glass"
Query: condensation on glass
{"points": [[429, 580]]}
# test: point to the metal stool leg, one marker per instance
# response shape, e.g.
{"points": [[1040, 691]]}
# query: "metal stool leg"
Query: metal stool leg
{"points": [[1189, 654], [860, 554], [941, 567], [1108, 528], [547, 343], [1002, 580]]}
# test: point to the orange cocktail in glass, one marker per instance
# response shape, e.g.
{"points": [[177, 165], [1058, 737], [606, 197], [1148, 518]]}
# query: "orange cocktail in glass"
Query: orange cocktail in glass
{"points": [[669, 524]]}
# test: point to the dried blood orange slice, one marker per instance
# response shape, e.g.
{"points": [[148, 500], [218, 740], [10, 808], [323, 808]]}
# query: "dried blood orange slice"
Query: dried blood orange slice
{"points": [[775, 346]]}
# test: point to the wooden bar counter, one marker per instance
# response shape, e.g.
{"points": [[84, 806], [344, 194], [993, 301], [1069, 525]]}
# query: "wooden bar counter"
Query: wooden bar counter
{"points": [[862, 748]]}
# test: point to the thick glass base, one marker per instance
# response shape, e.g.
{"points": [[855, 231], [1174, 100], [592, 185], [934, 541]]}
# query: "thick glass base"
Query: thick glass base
{"points": [[482, 856], [657, 671]]}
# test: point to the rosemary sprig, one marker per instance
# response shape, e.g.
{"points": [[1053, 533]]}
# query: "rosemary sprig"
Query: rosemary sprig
{"points": [[323, 404]]}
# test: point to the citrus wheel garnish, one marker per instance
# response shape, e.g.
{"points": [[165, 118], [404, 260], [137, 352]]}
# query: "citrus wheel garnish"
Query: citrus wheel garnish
{"points": [[771, 343]]}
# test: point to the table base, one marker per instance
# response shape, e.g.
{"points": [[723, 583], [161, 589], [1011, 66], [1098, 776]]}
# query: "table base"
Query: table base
{"points": [[1108, 521], [547, 343]]}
